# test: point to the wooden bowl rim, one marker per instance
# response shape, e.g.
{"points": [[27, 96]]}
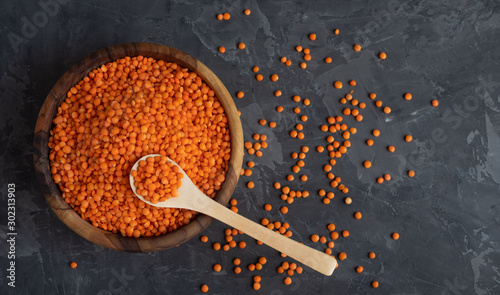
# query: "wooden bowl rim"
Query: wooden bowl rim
{"points": [[43, 126]]}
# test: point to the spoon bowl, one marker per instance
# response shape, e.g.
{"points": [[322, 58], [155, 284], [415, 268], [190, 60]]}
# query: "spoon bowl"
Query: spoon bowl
{"points": [[190, 197]]}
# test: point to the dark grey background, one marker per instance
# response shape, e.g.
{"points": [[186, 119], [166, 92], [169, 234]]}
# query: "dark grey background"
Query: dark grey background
{"points": [[448, 215]]}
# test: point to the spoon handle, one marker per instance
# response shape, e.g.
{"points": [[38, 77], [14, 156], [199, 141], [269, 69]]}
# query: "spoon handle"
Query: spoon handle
{"points": [[315, 259]]}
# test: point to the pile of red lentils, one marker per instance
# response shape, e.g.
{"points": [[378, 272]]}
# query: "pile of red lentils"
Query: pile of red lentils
{"points": [[122, 111]]}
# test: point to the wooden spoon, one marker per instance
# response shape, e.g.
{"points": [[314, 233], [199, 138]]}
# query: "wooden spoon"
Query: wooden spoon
{"points": [[191, 198]]}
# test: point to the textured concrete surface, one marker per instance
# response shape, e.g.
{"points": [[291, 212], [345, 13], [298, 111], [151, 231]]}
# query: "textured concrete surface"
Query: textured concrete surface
{"points": [[448, 215]]}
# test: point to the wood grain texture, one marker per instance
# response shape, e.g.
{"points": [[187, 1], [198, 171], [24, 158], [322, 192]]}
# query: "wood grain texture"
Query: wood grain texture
{"points": [[44, 124]]}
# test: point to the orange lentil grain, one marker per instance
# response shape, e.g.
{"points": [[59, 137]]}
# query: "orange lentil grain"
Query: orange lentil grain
{"points": [[204, 288], [262, 260], [357, 47]]}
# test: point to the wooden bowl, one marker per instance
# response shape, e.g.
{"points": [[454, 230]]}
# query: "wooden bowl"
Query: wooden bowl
{"points": [[41, 151]]}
